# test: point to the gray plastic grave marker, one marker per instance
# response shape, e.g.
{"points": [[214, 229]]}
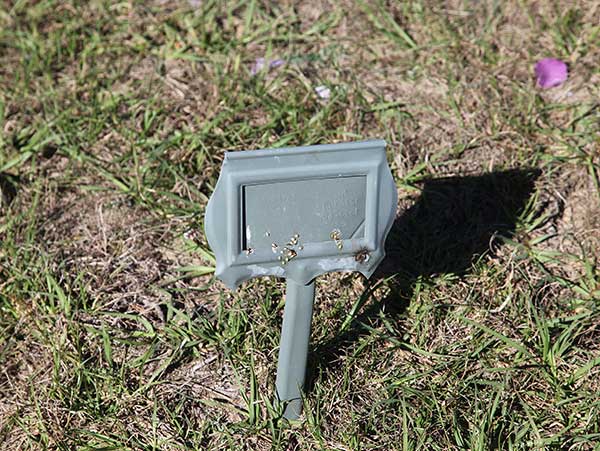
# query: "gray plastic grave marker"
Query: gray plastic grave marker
{"points": [[299, 212]]}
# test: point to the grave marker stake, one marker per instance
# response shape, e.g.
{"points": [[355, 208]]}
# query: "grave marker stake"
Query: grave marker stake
{"points": [[297, 213], [293, 349]]}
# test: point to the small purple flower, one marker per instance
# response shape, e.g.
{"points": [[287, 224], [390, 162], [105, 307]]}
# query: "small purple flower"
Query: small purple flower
{"points": [[550, 72], [261, 63]]}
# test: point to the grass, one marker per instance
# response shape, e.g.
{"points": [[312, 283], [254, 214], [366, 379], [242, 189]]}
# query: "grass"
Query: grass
{"points": [[481, 329]]}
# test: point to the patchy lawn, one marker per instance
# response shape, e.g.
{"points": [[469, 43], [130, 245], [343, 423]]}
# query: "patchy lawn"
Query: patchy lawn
{"points": [[481, 330]]}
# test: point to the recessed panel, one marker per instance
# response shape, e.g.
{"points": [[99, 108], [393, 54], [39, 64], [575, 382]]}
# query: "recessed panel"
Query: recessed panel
{"points": [[313, 210]]}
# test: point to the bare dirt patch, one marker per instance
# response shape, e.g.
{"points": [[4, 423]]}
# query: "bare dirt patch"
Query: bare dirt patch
{"points": [[122, 255]]}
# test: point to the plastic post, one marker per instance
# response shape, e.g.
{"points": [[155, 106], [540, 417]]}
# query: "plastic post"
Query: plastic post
{"points": [[293, 350]]}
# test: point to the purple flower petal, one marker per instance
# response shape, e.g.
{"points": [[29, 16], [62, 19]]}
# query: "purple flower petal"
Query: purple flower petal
{"points": [[550, 72], [276, 63], [261, 63], [258, 65]]}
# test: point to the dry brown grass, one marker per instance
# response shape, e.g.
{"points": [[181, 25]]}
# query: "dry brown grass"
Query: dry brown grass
{"points": [[482, 328]]}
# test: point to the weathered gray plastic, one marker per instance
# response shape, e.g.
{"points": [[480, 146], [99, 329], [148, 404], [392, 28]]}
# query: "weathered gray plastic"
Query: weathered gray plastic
{"points": [[293, 347], [299, 212]]}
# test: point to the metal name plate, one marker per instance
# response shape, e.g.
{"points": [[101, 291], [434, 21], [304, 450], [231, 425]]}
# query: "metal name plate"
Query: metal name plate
{"points": [[299, 212]]}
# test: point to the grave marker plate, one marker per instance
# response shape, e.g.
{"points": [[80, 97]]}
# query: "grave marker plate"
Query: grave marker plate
{"points": [[299, 212], [322, 208]]}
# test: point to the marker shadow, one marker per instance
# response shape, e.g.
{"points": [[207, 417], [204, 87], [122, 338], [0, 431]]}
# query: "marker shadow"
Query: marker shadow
{"points": [[450, 225]]}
